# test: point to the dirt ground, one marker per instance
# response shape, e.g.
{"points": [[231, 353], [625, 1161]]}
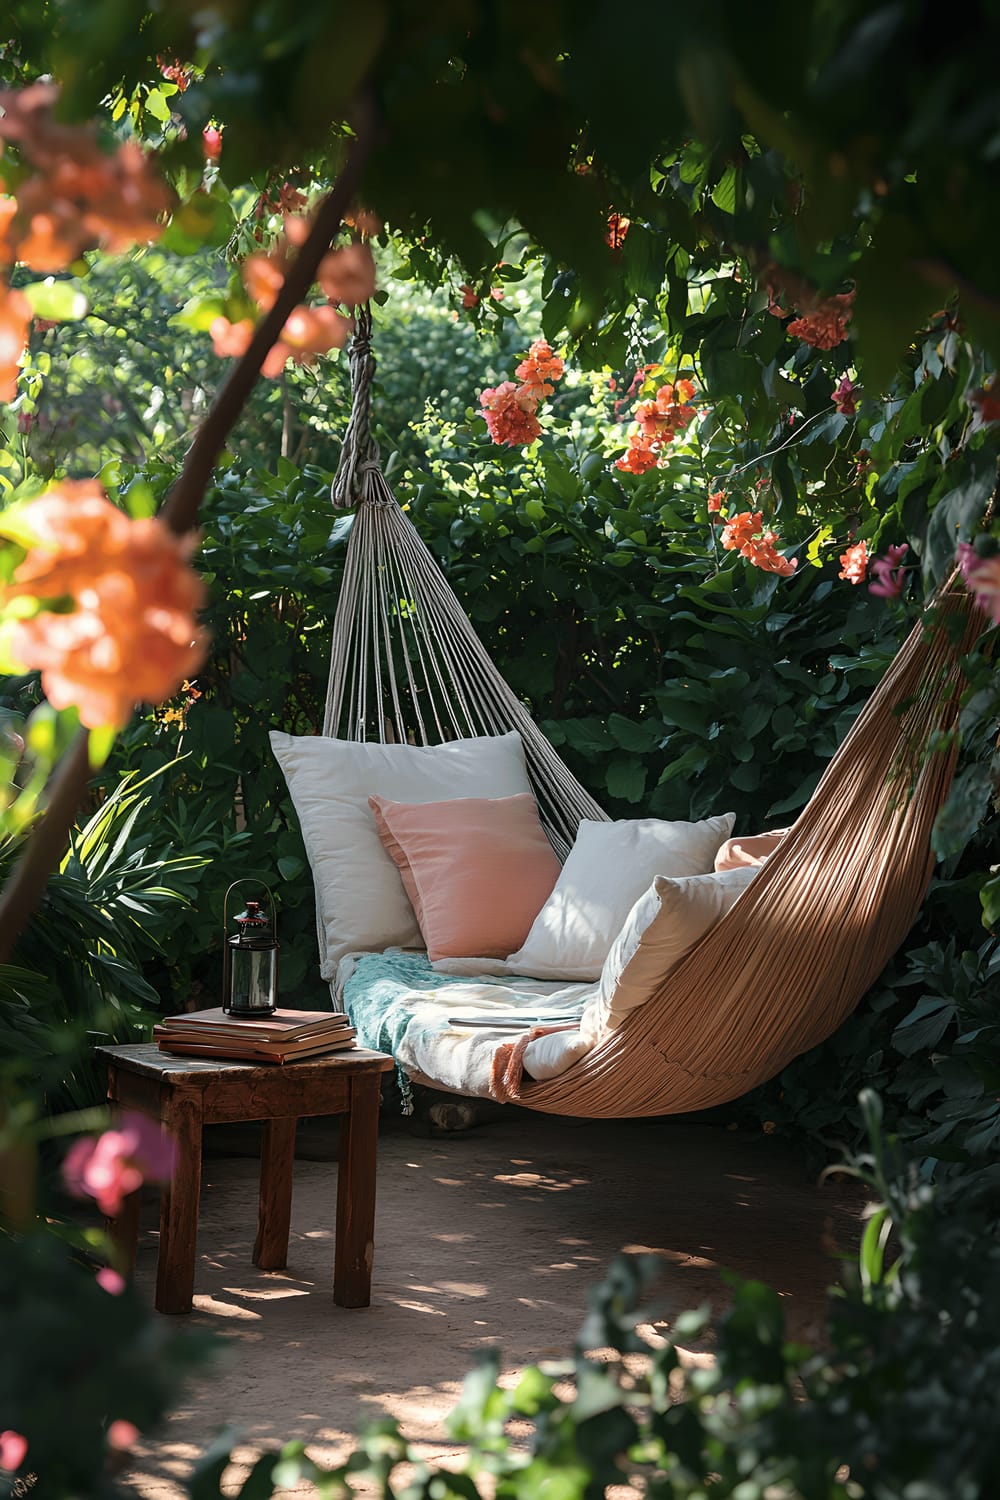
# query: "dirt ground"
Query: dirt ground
{"points": [[486, 1238]]}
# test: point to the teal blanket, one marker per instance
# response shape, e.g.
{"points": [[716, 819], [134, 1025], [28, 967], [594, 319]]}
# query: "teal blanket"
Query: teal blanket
{"points": [[379, 997]]}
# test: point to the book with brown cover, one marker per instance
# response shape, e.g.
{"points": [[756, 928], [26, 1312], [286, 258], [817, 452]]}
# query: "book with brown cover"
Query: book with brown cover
{"points": [[285, 1025], [253, 1049]]}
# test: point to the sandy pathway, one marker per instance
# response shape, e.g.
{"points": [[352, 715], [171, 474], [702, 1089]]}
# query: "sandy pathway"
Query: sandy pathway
{"points": [[488, 1238]]}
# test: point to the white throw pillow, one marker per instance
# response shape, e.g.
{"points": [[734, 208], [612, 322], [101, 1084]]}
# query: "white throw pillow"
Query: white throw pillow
{"points": [[661, 929], [360, 901], [609, 867]]}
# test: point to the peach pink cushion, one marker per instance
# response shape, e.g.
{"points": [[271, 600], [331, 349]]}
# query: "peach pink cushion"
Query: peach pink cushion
{"points": [[747, 851], [477, 870]]}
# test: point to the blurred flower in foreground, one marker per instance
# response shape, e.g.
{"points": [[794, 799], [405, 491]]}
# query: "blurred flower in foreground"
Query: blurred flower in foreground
{"points": [[13, 1449], [982, 574], [888, 573], [130, 634], [114, 1164]]}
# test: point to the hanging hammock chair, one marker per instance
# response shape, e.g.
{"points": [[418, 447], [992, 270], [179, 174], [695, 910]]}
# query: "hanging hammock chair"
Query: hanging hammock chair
{"points": [[793, 957]]}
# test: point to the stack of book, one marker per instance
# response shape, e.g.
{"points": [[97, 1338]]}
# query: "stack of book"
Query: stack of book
{"points": [[278, 1038]]}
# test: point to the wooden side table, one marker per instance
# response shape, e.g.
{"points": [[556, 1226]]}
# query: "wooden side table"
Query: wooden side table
{"points": [[187, 1093]]}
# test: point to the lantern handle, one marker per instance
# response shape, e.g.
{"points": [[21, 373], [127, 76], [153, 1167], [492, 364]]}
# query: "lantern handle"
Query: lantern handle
{"points": [[226, 953], [247, 880]]}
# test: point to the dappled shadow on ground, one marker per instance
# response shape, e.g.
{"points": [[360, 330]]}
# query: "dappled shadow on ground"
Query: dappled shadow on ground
{"points": [[486, 1239]]}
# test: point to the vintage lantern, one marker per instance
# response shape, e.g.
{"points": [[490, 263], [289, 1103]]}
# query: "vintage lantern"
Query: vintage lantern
{"points": [[250, 958]]}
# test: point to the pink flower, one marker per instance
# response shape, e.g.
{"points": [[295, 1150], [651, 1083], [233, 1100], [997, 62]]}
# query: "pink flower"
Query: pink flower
{"points": [[118, 1162], [13, 1448], [888, 573], [982, 574], [121, 1435], [112, 1282], [844, 397], [854, 563], [211, 142]]}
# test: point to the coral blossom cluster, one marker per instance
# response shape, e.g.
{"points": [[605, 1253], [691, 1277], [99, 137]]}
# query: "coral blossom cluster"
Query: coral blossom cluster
{"points": [[130, 633], [72, 197], [854, 563], [745, 533], [824, 324], [657, 423], [345, 275], [509, 409]]}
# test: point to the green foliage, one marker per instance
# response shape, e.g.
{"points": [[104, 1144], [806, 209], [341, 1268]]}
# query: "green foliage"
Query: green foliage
{"points": [[78, 966], [76, 1359]]}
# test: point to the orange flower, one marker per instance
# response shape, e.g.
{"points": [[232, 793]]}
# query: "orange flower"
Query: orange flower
{"points": [[469, 298], [264, 276], [132, 635], [79, 196], [347, 275], [715, 500], [127, 202], [854, 563], [540, 365], [744, 533], [8, 208], [15, 320], [618, 228], [314, 330], [641, 454], [48, 233], [509, 411], [824, 325]]}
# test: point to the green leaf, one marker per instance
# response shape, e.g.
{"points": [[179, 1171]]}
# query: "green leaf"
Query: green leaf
{"points": [[62, 301], [156, 103], [723, 195], [199, 313], [989, 897], [641, 737], [205, 220], [625, 778]]}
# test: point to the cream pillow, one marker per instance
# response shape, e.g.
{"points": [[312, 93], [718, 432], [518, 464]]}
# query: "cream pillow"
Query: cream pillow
{"points": [[609, 867], [661, 929], [361, 905]]}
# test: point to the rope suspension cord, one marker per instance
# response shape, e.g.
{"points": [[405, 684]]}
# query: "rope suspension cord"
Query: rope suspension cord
{"points": [[406, 664]]}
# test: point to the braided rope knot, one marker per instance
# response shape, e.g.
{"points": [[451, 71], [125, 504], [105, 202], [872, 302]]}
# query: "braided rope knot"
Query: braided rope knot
{"points": [[359, 456]]}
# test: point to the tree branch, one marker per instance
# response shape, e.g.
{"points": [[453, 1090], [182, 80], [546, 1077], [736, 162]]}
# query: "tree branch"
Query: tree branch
{"points": [[48, 839]]}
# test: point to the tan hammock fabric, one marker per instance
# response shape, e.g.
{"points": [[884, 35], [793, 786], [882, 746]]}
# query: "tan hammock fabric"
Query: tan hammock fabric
{"points": [[793, 957], [804, 942]]}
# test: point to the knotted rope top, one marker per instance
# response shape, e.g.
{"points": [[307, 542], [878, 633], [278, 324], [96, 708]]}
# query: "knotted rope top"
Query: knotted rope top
{"points": [[353, 482]]}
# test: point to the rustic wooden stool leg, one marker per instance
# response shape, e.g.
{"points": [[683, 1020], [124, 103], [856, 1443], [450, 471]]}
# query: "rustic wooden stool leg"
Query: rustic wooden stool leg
{"points": [[181, 1114], [277, 1163], [357, 1159]]}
